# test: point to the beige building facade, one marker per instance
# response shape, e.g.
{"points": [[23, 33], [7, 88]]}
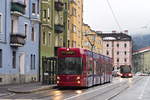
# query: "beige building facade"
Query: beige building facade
{"points": [[119, 47]]}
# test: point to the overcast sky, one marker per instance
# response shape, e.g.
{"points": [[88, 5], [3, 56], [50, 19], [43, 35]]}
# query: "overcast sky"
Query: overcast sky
{"points": [[132, 15]]}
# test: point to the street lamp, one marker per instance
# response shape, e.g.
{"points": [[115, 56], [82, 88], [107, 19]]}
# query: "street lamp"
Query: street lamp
{"points": [[92, 43], [92, 47]]}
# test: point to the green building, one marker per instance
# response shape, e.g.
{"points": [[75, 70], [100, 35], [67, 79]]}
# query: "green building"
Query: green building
{"points": [[141, 60], [53, 28]]}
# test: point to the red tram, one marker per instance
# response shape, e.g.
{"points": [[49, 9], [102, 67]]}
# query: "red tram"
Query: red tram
{"points": [[125, 71], [82, 68]]}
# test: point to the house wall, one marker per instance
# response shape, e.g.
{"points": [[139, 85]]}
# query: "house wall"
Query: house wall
{"points": [[8, 74]]}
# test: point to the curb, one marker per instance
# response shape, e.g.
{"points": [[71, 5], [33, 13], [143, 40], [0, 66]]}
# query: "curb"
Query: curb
{"points": [[32, 90]]}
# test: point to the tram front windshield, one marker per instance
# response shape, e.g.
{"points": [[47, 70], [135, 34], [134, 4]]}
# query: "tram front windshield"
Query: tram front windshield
{"points": [[70, 65], [125, 69]]}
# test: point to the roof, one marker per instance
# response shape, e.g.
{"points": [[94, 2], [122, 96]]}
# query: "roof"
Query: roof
{"points": [[115, 36], [142, 50]]}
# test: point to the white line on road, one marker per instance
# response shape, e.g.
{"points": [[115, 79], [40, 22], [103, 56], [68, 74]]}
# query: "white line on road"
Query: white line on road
{"points": [[144, 87], [89, 91]]}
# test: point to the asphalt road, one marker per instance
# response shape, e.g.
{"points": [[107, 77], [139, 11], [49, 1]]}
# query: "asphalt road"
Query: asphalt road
{"points": [[138, 91], [120, 89]]}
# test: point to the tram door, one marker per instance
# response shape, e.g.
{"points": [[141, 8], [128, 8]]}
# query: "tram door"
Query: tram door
{"points": [[49, 66]]}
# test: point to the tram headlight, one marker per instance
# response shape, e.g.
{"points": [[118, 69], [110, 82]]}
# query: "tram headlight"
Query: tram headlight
{"points": [[57, 82], [78, 82], [130, 74], [78, 78], [121, 74], [58, 78]]}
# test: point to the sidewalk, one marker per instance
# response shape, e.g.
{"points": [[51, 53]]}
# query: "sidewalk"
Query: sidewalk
{"points": [[28, 88]]}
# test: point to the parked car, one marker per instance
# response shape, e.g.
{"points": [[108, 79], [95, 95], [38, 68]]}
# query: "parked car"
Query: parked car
{"points": [[141, 74]]}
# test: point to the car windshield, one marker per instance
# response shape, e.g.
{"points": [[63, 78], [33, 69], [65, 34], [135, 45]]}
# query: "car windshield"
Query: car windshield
{"points": [[70, 65]]}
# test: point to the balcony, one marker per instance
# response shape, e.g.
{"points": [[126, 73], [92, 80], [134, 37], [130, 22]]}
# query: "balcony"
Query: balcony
{"points": [[59, 28], [17, 40], [17, 8], [59, 6]]}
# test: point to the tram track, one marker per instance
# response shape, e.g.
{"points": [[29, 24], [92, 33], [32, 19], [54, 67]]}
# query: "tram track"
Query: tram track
{"points": [[124, 89], [118, 88], [121, 87]]}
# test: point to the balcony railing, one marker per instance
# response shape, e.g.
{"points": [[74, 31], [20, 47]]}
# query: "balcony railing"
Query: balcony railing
{"points": [[17, 40], [59, 28], [59, 6], [17, 8]]}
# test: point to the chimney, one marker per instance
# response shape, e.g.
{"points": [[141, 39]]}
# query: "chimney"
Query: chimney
{"points": [[126, 31], [113, 31]]}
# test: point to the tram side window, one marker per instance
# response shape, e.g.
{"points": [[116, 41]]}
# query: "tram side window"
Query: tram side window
{"points": [[103, 67], [89, 65], [94, 67], [98, 67]]}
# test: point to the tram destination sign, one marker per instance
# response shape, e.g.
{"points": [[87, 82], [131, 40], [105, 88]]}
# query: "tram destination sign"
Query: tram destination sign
{"points": [[68, 52]]}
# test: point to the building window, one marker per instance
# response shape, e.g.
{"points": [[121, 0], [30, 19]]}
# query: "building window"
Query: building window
{"points": [[73, 28], [73, 11], [117, 59], [117, 52], [68, 43], [1, 58], [61, 19], [32, 62], [107, 53], [49, 39], [38, 6], [125, 52], [117, 45], [25, 29], [68, 25], [44, 13], [65, 5], [12, 26], [33, 8], [107, 45], [14, 59], [125, 45], [74, 44], [32, 34], [0, 23], [44, 38], [125, 60], [48, 13]]}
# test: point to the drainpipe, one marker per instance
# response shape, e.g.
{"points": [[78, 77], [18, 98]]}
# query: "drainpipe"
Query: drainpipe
{"points": [[5, 21], [40, 24]]}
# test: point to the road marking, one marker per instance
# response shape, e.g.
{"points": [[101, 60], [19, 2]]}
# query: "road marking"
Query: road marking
{"points": [[89, 91], [144, 87]]}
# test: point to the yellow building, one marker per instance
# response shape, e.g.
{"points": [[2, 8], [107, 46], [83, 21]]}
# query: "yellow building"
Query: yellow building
{"points": [[85, 40], [91, 40], [97, 43], [75, 21]]}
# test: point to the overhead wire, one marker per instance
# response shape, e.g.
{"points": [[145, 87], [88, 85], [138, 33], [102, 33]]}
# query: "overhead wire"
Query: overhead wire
{"points": [[115, 18]]}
